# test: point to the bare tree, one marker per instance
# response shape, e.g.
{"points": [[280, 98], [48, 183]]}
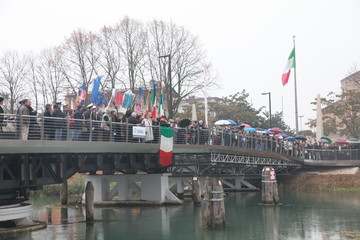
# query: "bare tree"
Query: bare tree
{"points": [[110, 58], [33, 80], [79, 59], [130, 39], [50, 73], [13, 69], [188, 60]]}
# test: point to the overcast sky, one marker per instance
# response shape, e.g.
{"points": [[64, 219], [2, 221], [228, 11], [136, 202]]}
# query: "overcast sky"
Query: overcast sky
{"points": [[248, 42]]}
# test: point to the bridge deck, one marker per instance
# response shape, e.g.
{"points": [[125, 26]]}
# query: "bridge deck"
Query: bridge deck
{"points": [[38, 146]]}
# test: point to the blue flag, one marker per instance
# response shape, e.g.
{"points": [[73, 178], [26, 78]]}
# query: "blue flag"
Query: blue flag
{"points": [[95, 90], [100, 99]]}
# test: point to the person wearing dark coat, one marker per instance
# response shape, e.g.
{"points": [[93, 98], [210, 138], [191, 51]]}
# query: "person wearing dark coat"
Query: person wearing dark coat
{"points": [[78, 122], [2, 124], [49, 131], [1, 112], [34, 131], [59, 123]]}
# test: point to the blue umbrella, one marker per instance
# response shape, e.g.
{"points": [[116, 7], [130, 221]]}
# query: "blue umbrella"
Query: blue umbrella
{"points": [[231, 122], [283, 134], [269, 132], [290, 139], [250, 130]]}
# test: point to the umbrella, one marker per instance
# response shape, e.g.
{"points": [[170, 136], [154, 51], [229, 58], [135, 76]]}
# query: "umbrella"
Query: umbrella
{"points": [[244, 125], [231, 122], [353, 140], [341, 141], [269, 132], [250, 130], [260, 129], [283, 134], [301, 138], [185, 122], [278, 136], [276, 130], [222, 122], [327, 139], [261, 132], [290, 138]]}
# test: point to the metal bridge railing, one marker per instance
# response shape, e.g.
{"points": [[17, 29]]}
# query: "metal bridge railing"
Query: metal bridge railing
{"points": [[70, 129]]}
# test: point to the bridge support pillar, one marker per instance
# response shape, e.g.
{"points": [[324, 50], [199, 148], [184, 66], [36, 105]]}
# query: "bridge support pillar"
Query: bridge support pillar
{"points": [[237, 183], [152, 188]]}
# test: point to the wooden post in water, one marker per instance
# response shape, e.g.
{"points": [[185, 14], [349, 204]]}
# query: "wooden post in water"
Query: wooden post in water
{"points": [[89, 201], [196, 191], [214, 210], [218, 205], [208, 208], [64, 193], [269, 189]]}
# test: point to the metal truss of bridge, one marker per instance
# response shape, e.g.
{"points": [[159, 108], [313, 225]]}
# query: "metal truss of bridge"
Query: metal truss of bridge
{"points": [[225, 165]]}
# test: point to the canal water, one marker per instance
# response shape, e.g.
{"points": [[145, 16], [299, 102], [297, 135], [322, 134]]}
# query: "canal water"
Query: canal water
{"points": [[326, 215]]}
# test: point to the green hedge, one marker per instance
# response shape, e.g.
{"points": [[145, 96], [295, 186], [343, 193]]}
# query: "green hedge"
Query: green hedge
{"points": [[75, 187]]}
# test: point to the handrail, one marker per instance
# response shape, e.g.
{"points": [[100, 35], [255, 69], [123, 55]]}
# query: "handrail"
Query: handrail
{"points": [[70, 129]]}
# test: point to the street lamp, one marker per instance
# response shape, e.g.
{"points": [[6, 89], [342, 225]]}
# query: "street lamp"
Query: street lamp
{"points": [[170, 84], [268, 93]]}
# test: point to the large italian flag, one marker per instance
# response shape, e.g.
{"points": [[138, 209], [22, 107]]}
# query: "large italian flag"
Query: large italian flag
{"points": [[166, 146], [289, 65]]}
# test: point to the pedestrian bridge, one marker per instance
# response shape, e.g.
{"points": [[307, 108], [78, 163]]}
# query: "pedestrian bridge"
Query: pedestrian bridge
{"points": [[40, 160]]}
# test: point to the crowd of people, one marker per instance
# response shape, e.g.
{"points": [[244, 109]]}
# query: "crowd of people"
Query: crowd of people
{"points": [[93, 123]]}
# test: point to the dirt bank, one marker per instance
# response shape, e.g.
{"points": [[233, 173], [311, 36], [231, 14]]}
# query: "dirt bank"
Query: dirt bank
{"points": [[345, 179]]}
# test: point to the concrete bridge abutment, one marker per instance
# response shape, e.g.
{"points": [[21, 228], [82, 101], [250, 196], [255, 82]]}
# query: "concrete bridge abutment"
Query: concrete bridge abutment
{"points": [[151, 189]]}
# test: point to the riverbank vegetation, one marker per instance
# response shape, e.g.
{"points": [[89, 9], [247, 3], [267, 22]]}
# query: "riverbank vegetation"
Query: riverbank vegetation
{"points": [[75, 188], [315, 183]]}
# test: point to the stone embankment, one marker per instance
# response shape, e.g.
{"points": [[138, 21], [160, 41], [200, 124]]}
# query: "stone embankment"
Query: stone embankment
{"points": [[334, 179]]}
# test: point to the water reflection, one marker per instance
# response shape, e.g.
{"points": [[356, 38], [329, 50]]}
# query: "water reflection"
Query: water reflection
{"points": [[302, 216], [271, 215]]}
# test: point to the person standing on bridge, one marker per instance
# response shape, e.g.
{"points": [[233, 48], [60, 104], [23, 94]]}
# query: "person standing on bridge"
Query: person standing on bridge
{"points": [[78, 122], [47, 121], [147, 123], [24, 121], [59, 122], [2, 124]]}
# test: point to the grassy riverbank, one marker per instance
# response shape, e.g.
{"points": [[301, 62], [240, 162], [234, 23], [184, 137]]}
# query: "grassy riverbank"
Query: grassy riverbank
{"points": [[314, 183], [75, 188]]}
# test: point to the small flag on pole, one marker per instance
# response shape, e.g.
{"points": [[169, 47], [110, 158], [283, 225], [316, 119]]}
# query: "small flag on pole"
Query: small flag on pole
{"points": [[82, 94], [153, 102], [161, 106], [139, 101], [289, 65]]}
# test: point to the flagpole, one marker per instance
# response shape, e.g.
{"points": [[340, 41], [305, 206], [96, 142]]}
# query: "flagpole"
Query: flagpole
{"points": [[205, 99], [295, 86]]}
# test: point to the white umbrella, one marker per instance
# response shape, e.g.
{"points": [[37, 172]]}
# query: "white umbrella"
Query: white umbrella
{"points": [[222, 122]]}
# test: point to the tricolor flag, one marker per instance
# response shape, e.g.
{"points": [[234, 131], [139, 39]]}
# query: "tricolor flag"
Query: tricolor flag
{"points": [[153, 103], [161, 106], [289, 65], [166, 146]]}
